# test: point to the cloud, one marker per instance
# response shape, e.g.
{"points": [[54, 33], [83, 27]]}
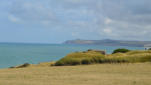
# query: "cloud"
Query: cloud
{"points": [[107, 21], [107, 30], [32, 11], [117, 19]]}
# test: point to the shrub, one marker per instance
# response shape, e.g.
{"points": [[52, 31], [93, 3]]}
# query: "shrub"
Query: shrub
{"points": [[86, 61], [120, 50], [12, 67], [149, 49], [138, 52], [89, 50], [95, 57], [80, 58], [68, 61], [23, 65], [139, 58], [116, 60]]}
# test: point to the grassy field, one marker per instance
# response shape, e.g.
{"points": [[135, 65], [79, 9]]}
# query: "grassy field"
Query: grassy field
{"points": [[98, 74]]}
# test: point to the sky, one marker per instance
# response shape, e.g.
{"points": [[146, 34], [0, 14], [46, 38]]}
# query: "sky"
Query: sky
{"points": [[55, 21]]}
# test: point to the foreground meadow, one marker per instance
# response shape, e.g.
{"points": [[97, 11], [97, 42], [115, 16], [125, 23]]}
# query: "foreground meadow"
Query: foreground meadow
{"points": [[98, 74]]}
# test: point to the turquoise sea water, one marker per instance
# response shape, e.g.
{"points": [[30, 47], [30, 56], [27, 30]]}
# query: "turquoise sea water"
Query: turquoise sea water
{"points": [[15, 54]]}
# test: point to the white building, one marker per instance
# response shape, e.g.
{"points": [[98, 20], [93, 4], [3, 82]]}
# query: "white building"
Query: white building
{"points": [[147, 47]]}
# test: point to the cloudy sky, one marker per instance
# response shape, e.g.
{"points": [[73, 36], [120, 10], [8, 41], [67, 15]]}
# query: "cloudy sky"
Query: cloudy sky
{"points": [[54, 21]]}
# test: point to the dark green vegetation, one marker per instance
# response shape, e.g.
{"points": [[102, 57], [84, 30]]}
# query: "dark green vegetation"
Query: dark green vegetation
{"points": [[120, 50], [22, 66], [108, 42], [92, 57]]}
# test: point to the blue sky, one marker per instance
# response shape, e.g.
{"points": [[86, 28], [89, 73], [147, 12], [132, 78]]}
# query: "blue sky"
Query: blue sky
{"points": [[54, 21]]}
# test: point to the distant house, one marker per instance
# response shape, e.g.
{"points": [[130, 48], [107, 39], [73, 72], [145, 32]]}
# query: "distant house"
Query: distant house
{"points": [[147, 47]]}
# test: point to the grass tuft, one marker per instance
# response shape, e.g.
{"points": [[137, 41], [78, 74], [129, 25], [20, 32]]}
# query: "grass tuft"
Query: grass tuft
{"points": [[92, 57], [79, 58]]}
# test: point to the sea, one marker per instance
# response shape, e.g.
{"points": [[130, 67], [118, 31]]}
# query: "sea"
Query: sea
{"points": [[12, 54]]}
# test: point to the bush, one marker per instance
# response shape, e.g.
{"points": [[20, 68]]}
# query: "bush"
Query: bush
{"points": [[119, 56], [86, 61], [139, 58], [23, 65], [149, 49], [80, 58], [116, 60], [138, 52], [120, 50], [89, 50], [68, 61]]}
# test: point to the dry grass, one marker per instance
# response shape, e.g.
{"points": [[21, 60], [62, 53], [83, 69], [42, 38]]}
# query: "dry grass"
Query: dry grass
{"points": [[99, 74]]}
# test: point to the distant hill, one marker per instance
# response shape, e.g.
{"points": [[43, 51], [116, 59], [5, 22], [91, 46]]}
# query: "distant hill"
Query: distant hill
{"points": [[109, 42]]}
